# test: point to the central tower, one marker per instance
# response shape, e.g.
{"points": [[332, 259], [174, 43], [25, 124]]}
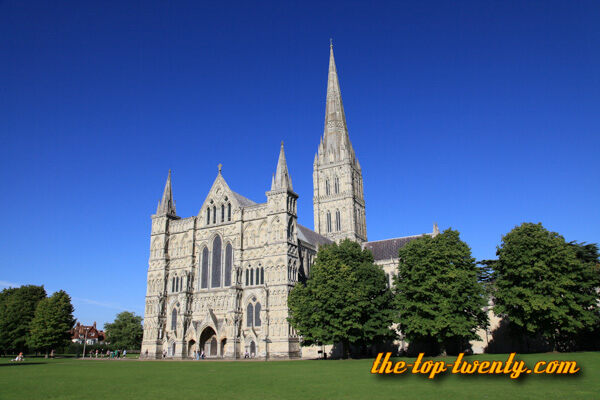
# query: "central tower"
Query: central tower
{"points": [[338, 200]]}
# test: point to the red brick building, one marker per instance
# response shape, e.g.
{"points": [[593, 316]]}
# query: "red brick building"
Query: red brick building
{"points": [[93, 336]]}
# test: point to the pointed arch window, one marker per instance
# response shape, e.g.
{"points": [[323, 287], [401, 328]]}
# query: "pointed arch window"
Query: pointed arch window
{"points": [[328, 221], [204, 277], [327, 187], [251, 277], [337, 185], [216, 262], [249, 315], [229, 212], [262, 276], [174, 319], [338, 221], [222, 212], [228, 262], [208, 216], [258, 276], [257, 314], [247, 278], [214, 214], [173, 285]]}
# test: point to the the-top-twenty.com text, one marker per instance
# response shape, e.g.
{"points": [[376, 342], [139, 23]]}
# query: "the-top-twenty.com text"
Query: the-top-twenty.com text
{"points": [[431, 368]]}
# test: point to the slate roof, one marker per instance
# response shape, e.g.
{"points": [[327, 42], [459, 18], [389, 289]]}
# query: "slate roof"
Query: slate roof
{"points": [[244, 201], [388, 248], [312, 237]]}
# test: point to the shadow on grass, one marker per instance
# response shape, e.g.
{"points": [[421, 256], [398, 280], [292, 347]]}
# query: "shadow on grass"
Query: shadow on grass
{"points": [[14, 364]]}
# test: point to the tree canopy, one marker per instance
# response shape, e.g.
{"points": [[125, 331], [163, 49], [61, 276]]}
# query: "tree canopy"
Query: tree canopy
{"points": [[52, 322], [17, 308], [345, 300], [438, 296], [545, 285], [126, 331]]}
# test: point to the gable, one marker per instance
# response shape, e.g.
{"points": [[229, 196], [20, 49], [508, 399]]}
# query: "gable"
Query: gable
{"points": [[220, 194]]}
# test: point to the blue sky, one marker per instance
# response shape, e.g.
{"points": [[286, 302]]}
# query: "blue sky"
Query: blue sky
{"points": [[478, 115]]}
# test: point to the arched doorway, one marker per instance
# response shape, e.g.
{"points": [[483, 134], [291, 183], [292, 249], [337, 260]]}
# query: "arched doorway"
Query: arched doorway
{"points": [[208, 342], [191, 348], [223, 343], [252, 349]]}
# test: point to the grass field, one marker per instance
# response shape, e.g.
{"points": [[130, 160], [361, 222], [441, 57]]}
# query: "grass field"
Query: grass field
{"points": [[350, 379]]}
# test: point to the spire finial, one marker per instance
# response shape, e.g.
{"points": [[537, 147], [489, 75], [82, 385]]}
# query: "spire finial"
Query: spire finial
{"points": [[282, 143], [220, 166], [330, 43]]}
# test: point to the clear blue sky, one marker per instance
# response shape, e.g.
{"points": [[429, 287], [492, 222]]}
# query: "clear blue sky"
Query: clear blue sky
{"points": [[478, 115]]}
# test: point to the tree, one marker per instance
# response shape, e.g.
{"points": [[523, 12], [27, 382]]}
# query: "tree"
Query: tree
{"points": [[17, 308], [345, 300], [438, 296], [545, 285], [589, 254], [126, 331], [51, 325]]}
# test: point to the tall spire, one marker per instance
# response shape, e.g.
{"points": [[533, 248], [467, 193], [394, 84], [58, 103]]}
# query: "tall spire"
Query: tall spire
{"points": [[337, 176], [335, 142], [282, 179], [167, 205], [335, 118]]}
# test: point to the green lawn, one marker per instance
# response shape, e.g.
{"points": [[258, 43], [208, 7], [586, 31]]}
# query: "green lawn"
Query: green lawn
{"points": [[132, 379]]}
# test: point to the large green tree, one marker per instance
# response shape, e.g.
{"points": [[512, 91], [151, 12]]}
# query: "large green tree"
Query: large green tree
{"points": [[17, 308], [51, 325], [126, 331], [545, 285], [345, 300], [438, 296]]}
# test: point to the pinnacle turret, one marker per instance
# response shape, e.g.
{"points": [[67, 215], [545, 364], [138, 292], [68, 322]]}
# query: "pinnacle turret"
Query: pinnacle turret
{"points": [[282, 179], [167, 205]]}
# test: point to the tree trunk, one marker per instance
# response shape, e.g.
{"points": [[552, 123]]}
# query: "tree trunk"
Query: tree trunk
{"points": [[346, 349]]}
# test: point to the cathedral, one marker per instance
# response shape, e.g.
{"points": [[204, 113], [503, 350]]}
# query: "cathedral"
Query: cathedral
{"points": [[218, 282]]}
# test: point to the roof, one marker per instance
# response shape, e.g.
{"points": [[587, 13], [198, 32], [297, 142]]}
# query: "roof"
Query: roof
{"points": [[89, 331], [388, 248], [244, 201], [312, 237]]}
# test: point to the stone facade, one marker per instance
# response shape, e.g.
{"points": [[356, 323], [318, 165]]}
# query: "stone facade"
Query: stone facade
{"points": [[219, 281]]}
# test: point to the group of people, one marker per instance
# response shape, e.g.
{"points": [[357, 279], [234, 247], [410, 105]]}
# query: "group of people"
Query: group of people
{"points": [[199, 355], [108, 354]]}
